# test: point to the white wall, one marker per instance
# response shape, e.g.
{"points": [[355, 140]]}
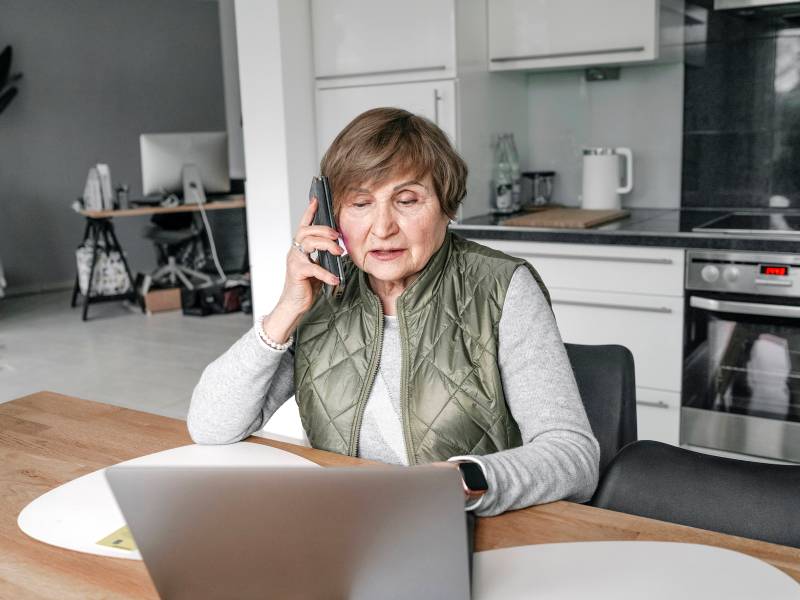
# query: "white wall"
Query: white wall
{"points": [[643, 110], [275, 73]]}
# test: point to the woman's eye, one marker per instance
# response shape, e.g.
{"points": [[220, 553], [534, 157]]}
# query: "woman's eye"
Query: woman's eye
{"points": [[407, 201]]}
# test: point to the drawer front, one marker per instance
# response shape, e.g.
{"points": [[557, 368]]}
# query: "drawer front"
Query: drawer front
{"points": [[602, 268], [658, 415], [651, 327]]}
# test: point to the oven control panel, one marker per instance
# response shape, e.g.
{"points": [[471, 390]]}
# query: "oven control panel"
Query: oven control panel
{"points": [[766, 274]]}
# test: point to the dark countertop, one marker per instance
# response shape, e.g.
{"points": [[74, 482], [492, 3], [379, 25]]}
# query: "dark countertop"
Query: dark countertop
{"points": [[644, 227]]}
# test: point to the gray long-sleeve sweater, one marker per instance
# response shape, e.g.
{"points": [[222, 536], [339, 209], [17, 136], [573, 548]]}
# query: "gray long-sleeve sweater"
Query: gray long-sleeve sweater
{"points": [[240, 391]]}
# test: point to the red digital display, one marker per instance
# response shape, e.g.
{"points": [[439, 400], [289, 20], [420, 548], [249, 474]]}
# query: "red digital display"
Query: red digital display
{"points": [[779, 270]]}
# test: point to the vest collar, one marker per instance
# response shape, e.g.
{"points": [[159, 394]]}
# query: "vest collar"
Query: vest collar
{"points": [[423, 288]]}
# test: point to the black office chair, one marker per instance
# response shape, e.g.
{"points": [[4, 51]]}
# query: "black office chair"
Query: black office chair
{"points": [[607, 385], [173, 234], [744, 498]]}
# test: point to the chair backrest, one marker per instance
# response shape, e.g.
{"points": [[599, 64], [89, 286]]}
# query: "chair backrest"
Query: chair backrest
{"points": [[739, 497], [607, 385]]}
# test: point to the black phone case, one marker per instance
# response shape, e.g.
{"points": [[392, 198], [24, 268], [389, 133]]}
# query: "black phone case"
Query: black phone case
{"points": [[324, 216]]}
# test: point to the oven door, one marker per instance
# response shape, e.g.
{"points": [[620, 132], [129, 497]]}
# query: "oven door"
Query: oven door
{"points": [[741, 375]]}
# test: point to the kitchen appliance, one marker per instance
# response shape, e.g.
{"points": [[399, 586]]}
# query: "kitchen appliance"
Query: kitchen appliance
{"points": [[537, 189], [771, 5], [751, 223], [741, 363], [601, 177]]}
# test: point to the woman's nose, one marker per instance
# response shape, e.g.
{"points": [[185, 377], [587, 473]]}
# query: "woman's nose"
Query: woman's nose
{"points": [[384, 223]]}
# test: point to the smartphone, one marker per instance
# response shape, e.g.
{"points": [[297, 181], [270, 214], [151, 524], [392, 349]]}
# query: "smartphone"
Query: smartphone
{"points": [[324, 216]]}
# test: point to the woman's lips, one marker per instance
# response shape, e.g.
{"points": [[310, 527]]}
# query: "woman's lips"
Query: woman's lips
{"points": [[386, 254]]}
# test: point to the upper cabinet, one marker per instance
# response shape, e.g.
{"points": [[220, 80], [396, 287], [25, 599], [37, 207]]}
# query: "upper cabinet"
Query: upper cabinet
{"points": [[555, 34], [382, 40], [434, 100]]}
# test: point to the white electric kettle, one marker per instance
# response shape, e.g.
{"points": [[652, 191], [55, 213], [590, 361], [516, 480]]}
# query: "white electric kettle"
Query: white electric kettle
{"points": [[601, 177]]}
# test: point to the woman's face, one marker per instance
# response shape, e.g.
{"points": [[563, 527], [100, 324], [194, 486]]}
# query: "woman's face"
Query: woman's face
{"points": [[392, 230]]}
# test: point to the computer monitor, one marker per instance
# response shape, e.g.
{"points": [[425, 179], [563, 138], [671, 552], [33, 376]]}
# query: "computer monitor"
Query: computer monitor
{"points": [[168, 159]]}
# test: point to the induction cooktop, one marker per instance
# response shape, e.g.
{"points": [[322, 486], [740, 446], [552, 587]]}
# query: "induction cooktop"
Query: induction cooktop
{"points": [[753, 224]]}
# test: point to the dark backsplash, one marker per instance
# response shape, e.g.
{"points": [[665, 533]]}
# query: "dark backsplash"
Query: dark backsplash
{"points": [[741, 121]]}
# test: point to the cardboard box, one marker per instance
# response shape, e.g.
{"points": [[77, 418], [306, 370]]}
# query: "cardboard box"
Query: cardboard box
{"points": [[162, 300]]}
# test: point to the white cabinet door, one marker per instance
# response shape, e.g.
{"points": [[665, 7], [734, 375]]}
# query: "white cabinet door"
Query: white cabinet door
{"points": [[547, 34], [409, 40], [607, 268], [658, 415], [336, 107], [651, 327]]}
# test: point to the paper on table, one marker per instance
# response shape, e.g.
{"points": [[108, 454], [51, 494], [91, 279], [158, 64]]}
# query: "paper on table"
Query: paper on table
{"points": [[79, 513], [121, 538]]}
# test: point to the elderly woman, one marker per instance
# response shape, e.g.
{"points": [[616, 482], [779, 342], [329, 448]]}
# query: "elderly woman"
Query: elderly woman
{"points": [[438, 349]]}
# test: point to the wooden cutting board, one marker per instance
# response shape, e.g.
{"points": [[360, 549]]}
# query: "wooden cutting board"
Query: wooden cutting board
{"points": [[567, 218]]}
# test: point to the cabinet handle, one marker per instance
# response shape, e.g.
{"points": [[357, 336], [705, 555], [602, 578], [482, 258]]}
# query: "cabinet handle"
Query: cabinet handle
{"points": [[568, 54], [654, 309], [436, 99], [652, 404], [387, 72], [649, 261]]}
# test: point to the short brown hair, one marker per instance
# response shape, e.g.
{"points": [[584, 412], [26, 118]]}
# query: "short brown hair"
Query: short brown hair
{"points": [[382, 142]]}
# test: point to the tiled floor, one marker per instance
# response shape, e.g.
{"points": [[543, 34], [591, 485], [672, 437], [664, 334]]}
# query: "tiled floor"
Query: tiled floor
{"points": [[120, 356]]}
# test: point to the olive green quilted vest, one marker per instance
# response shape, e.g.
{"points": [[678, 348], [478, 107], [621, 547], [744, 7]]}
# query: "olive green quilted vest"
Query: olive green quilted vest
{"points": [[451, 394]]}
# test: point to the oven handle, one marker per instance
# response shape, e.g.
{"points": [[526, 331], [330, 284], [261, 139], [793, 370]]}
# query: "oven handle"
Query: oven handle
{"points": [[747, 308]]}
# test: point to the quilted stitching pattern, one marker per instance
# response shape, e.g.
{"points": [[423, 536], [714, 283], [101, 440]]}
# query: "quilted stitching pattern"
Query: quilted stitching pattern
{"points": [[454, 390]]}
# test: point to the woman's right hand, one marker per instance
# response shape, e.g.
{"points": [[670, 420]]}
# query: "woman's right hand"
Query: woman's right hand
{"points": [[303, 276]]}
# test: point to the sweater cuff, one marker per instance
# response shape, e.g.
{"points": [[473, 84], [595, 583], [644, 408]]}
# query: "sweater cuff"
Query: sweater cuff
{"points": [[473, 459]]}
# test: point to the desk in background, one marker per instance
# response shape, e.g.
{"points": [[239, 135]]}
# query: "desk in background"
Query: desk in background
{"points": [[47, 439], [99, 226]]}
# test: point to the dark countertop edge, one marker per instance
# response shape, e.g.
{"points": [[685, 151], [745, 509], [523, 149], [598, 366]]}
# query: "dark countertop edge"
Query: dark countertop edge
{"points": [[632, 238]]}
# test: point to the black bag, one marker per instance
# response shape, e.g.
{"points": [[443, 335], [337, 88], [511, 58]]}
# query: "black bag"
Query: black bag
{"points": [[214, 300]]}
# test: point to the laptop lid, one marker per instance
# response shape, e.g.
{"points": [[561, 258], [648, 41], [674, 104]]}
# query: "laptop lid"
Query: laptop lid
{"points": [[283, 532]]}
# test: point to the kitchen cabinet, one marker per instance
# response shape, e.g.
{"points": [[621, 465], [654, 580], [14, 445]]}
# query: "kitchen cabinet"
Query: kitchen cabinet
{"points": [[625, 269], [336, 107], [635, 321], [383, 40], [658, 415], [558, 34], [426, 57], [625, 295]]}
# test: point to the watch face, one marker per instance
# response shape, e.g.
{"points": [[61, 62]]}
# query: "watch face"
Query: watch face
{"points": [[473, 477]]}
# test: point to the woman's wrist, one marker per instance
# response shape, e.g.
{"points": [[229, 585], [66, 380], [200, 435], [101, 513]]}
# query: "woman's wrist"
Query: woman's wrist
{"points": [[279, 324]]}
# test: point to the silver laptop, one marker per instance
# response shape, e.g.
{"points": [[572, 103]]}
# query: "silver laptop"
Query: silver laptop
{"points": [[276, 532]]}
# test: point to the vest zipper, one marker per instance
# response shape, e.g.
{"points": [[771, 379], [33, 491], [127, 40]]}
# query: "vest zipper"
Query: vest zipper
{"points": [[410, 455], [374, 362]]}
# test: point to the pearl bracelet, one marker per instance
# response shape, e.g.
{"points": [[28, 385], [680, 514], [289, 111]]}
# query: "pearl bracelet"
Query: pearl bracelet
{"points": [[270, 342]]}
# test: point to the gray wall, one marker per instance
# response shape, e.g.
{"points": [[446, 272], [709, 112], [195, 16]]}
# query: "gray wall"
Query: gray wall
{"points": [[97, 73]]}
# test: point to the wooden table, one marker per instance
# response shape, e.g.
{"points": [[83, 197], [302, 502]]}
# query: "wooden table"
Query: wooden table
{"points": [[47, 439], [235, 201], [99, 227]]}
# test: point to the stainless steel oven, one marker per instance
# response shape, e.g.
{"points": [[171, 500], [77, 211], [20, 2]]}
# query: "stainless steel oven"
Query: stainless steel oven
{"points": [[741, 362]]}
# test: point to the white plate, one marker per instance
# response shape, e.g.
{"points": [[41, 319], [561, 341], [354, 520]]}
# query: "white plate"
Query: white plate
{"points": [[626, 571], [81, 512]]}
